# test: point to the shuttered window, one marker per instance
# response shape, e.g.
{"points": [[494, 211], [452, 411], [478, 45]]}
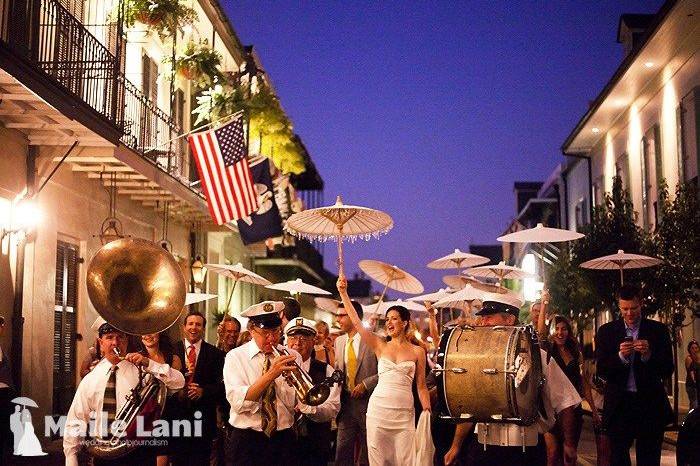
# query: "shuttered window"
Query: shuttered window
{"points": [[64, 335]]}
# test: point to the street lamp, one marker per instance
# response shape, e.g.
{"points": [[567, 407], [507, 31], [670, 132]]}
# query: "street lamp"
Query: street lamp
{"points": [[198, 271], [22, 216]]}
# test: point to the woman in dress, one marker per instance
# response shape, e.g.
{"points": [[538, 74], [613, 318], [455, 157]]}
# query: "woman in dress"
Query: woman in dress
{"points": [[157, 346], [563, 347], [390, 413], [692, 368]]}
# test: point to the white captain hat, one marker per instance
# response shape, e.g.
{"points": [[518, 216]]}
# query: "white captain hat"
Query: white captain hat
{"points": [[265, 314], [300, 325]]}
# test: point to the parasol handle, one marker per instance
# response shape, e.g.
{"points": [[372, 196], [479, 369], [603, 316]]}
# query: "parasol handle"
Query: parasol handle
{"points": [[341, 271], [381, 298], [228, 303]]}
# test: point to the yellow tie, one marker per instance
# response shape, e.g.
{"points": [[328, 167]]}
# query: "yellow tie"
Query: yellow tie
{"points": [[351, 368]]}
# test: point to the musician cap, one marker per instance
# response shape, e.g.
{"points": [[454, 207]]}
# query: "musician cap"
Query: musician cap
{"points": [[496, 303], [265, 314], [107, 328], [300, 325]]}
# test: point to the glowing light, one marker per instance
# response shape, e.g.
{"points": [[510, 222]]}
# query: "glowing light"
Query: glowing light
{"points": [[595, 130], [609, 163], [26, 216], [531, 287], [649, 64], [418, 335]]}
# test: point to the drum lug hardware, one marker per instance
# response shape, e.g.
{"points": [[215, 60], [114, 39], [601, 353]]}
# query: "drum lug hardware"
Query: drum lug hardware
{"points": [[495, 371], [454, 370]]}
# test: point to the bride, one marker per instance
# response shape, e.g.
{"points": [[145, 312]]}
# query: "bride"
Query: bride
{"points": [[390, 414]]}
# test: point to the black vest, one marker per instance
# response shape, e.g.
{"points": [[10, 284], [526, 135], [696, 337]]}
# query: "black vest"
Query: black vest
{"points": [[319, 433], [5, 372]]}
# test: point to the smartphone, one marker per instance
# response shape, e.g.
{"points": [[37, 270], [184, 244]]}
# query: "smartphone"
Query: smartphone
{"points": [[629, 338]]}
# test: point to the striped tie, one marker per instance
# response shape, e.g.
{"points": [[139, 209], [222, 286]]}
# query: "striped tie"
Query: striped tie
{"points": [[109, 404], [269, 410]]}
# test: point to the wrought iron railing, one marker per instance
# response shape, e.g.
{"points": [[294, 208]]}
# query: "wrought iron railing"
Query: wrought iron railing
{"points": [[46, 34], [150, 131]]}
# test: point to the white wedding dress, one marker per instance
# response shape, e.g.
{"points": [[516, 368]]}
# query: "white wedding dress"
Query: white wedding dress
{"points": [[391, 422]]}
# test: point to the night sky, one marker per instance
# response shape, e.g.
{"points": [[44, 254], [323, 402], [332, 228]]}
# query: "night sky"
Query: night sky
{"points": [[431, 111]]}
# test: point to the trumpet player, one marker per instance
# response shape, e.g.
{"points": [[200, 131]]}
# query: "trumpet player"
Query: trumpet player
{"points": [[103, 392], [263, 405], [313, 424]]}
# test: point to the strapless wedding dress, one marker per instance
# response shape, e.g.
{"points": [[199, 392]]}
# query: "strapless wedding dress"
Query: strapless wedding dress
{"points": [[390, 415]]}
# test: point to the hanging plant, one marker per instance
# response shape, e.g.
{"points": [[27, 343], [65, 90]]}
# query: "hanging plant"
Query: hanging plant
{"points": [[163, 16], [199, 63], [267, 121]]}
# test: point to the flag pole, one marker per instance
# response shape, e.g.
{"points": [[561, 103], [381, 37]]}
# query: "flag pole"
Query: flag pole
{"points": [[218, 120]]}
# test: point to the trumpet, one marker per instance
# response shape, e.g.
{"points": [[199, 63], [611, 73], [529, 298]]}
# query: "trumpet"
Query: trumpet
{"points": [[300, 381]]}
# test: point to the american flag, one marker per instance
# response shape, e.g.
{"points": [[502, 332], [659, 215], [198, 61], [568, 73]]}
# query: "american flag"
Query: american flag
{"points": [[221, 157]]}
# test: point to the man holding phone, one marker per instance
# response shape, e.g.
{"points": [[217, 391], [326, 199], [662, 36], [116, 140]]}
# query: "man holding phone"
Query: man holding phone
{"points": [[634, 356]]}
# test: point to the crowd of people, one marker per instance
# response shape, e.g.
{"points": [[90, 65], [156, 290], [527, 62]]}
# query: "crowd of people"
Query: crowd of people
{"points": [[250, 415]]}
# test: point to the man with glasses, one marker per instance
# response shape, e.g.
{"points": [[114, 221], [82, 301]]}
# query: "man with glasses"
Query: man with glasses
{"points": [[313, 425], [262, 403], [359, 366]]}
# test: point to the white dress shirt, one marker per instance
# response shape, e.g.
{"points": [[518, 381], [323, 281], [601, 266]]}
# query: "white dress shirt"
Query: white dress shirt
{"points": [[243, 366], [557, 394], [328, 409], [89, 397]]}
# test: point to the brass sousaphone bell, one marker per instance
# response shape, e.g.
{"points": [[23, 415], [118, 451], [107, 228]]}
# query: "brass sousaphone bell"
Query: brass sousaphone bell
{"points": [[136, 286]]}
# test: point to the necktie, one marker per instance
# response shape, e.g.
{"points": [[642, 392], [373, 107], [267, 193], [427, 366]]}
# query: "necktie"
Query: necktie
{"points": [[269, 408], [191, 362], [109, 403], [351, 368]]}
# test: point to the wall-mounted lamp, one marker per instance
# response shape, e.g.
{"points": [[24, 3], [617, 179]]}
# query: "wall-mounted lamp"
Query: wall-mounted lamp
{"points": [[22, 216], [198, 271]]}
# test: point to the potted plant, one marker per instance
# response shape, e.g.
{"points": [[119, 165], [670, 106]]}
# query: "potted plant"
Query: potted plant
{"points": [[198, 63], [164, 16]]}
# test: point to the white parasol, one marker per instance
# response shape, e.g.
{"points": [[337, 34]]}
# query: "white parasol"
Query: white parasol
{"points": [[391, 277], [381, 308], [297, 287], [432, 297], [459, 298], [327, 304], [338, 222], [499, 271], [237, 273], [621, 260], [193, 298], [458, 260], [541, 234], [459, 281]]}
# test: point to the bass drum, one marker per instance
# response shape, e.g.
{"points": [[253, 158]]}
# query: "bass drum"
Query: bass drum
{"points": [[489, 374]]}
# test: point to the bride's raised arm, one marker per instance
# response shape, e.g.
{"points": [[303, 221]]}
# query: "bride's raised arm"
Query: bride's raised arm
{"points": [[369, 337]]}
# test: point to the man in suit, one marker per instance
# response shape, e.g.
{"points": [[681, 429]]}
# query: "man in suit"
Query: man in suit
{"points": [[359, 366], [204, 389], [633, 355]]}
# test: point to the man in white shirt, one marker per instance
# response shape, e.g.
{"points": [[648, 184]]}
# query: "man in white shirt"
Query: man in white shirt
{"points": [[559, 398], [262, 403], [313, 428], [103, 392]]}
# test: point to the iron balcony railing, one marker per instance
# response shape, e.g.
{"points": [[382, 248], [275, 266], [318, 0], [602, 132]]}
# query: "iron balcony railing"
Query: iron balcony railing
{"points": [[45, 34]]}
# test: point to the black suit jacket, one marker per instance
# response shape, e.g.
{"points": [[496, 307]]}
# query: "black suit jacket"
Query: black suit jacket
{"points": [[209, 374], [648, 375]]}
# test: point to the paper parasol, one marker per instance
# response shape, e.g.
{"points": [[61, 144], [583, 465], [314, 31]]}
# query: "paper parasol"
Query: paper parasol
{"points": [[297, 287], [432, 297], [540, 234], [193, 298], [237, 273], [459, 298], [458, 282], [458, 260], [381, 308], [621, 260], [338, 222], [327, 304], [499, 271]]}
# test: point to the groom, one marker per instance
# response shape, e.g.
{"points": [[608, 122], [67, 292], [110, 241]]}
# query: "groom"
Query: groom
{"points": [[359, 366], [16, 427]]}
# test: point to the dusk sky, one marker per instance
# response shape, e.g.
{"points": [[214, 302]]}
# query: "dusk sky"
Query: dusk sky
{"points": [[431, 111]]}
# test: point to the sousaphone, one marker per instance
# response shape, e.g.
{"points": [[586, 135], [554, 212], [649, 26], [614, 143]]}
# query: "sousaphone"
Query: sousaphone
{"points": [[138, 288]]}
